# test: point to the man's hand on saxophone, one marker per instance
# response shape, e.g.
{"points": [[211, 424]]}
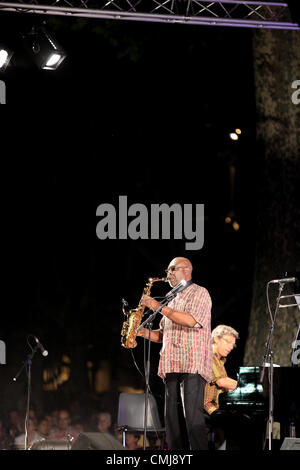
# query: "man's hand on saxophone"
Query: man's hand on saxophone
{"points": [[150, 302], [156, 335], [181, 318]]}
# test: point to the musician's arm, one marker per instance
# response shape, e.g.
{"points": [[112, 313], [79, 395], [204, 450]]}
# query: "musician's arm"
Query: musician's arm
{"points": [[181, 318], [156, 335], [227, 384]]}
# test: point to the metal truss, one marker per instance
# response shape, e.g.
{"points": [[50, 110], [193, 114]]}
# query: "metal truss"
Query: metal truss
{"points": [[234, 13]]}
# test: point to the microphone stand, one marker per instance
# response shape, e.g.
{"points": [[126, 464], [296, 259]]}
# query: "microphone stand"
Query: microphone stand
{"points": [[270, 354], [28, 362], [149, 322]]}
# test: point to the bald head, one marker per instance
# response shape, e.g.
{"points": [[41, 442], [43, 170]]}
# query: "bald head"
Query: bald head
{"points": [[180, 268], [182, 262]]}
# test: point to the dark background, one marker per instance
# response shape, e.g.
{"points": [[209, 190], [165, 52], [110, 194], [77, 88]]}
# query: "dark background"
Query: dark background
{"points": [[136, 109]]}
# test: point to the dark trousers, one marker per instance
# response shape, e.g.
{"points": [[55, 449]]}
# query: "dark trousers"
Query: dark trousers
{"points": [[184, 418]]}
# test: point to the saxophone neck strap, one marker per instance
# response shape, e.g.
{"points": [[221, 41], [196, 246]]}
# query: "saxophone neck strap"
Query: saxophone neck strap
{"points": [[181, 289], [188, 283]]}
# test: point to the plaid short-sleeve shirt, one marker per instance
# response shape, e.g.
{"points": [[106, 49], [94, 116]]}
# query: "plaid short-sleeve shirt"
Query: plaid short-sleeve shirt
{"points": [[188, 349]]}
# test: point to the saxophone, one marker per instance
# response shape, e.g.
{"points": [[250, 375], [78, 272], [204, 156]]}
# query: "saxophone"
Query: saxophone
{"points": [[134, 317]]}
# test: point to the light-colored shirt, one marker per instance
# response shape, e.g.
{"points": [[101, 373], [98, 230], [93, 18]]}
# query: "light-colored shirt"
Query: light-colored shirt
{"points": [[20, 440], [62, 435], [188, 349]]}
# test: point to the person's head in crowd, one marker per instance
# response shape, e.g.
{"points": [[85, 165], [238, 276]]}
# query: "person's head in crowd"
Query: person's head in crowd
{"points": [[48, 417], [77, 428], [14, 417], [15, 424], [104, 421], [54, 418], [63, 420], [131, 441], [43, 427], [31, 428], [32, 413]]}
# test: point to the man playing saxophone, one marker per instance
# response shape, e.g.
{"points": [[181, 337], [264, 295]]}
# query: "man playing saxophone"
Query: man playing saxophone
{"points": [[185, 358]]}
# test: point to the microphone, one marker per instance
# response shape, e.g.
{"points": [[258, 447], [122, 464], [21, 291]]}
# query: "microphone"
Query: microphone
{"points": [[287, 279], [41, 347], [180, 286]]}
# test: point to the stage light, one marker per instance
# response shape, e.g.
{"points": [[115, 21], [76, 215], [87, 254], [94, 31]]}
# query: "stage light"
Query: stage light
{"points": [[47, 53], [233, 136], [53, 60], [238, 131], [5, 56], [235, 226]]}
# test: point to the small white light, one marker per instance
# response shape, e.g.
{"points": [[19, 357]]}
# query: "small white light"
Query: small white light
{"points": [[54, 58], [233, 136], [3, 57]]}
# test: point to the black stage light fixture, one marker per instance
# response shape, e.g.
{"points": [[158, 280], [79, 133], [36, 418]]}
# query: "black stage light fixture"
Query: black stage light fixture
{"points": [[5, 56], [47, 53]]}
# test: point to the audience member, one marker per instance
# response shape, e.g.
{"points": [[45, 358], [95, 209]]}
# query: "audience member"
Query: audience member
{"points": [[131, 441], [76, 428], [63, 430], [54, 419], [6, 440], [15, 424], [104, 422], [43, 427], [50, 422], [32, 414], [32, 436], [92, 424]]}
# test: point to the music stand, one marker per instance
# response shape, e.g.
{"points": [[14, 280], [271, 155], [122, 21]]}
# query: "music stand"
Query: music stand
{"points": [[131, 414]]}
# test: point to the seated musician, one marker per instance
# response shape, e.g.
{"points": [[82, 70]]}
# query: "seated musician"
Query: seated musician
{"points": [[224, 341]]}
